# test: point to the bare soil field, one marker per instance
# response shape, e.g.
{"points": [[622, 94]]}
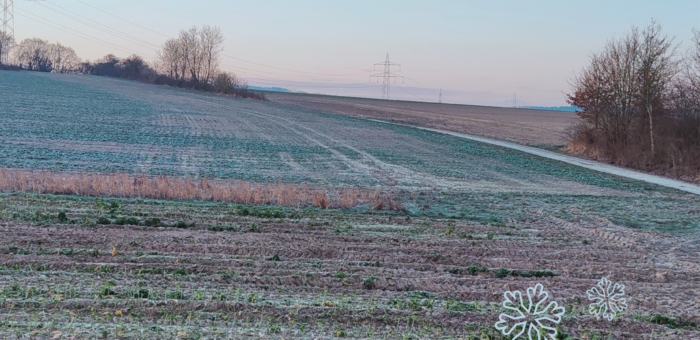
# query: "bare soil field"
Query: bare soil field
{"points": [[525, 126], [476, 220], [238, 272]]}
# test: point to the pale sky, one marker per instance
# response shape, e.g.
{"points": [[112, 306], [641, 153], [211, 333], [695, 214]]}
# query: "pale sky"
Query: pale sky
{"points": [[478, 52]]}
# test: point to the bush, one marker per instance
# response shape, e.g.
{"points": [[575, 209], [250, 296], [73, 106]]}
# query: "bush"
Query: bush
{"points": [[672, 322], [132, 221], [222, 228], [142, 294], [180, 271], [62, 217], [502, 272], [476, 269], [153, 221], [369, 282], [176, 295], [135, 68], [103, 220], [4, 67], [183, 225]]}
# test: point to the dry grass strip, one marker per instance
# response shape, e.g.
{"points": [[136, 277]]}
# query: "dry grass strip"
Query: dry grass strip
{"points": [[188, 189]]}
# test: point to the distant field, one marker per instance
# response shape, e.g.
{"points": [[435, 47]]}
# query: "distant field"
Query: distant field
{"points": [[94, 124], [106, 125], [475, 221], [527, 126]]}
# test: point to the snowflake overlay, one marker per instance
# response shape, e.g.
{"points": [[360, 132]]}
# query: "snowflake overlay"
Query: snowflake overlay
{"points": [[608, 299], [532, 315]]}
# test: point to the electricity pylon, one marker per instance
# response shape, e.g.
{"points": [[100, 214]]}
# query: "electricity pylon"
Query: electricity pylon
{"points": [[386, 76], [7, 25], [7, 17], [514, 102]]}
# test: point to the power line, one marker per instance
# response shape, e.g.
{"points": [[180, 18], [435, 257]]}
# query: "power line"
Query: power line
{"points": [[287, 83], [132, 39], [408, 90], [77, 34], [228, 56], [254, 39], [422, 87], [286, 69], [135, 24], [224, 55], [94, 24], [104, 30], [8, 18], [386, 76]]}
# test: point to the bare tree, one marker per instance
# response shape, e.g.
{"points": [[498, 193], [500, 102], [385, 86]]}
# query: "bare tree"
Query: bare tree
{"points": [[193, 56], [32, 54], [631, 74], [63, 59], [211, 40], [657, 69], [6, 44], [192, 52], [589, 92], [691, 65], [640, 103], [613, 86], [171, 59], [226, 82]]}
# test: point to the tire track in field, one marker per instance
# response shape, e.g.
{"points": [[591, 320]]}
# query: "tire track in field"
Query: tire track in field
{"points": [[385, 173]]}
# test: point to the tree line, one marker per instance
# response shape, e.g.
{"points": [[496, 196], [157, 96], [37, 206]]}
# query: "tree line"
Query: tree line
{"points": [[639, 100], [192, 60]]}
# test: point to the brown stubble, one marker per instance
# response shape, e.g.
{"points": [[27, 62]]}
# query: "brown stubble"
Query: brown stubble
{"points": [[123, 185]]}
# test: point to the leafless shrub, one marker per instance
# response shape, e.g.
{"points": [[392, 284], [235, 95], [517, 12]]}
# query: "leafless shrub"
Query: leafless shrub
{"points": [[639, 104]]}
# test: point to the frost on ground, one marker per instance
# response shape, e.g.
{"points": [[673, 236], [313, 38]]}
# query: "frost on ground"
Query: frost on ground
{"points": [[94, 124], [89, 268], [479, 220], [128, 269]]}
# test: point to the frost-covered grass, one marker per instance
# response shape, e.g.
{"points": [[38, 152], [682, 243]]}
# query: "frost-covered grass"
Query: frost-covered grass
{"points": [[102, 125], [70, 269]]}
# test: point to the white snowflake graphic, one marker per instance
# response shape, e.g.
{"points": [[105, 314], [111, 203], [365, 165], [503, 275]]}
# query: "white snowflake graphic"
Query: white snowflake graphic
{"points": [[532, 315], [608, 299]]}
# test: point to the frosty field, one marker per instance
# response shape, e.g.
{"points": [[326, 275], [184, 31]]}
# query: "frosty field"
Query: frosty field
{"points": [[94, 124], [478, 220]]}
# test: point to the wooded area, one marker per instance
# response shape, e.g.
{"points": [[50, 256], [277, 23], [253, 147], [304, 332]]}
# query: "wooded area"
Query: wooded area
{"points": [[189, 61], [639, 101]]}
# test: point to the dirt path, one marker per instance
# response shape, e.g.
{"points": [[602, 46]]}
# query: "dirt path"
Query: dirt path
{"points": [[585, 163]]}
